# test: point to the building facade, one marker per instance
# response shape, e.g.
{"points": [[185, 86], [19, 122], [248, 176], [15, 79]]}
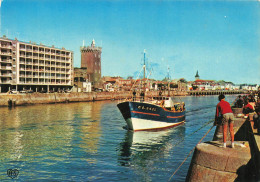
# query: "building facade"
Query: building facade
{"points": [[81, 83], [91, 59], [28, 66]]}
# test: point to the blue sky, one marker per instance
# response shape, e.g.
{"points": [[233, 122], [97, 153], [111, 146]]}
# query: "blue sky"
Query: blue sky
{"points": [[220, 39]]}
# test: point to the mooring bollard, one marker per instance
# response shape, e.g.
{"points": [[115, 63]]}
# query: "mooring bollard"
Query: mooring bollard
{"points": [[10, 103]]}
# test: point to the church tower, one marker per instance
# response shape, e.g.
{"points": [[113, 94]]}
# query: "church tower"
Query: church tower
{"points": [[197, 77], [91, 59]]}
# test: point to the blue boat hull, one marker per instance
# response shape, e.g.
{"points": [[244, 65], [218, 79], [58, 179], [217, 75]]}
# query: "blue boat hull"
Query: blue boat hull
{"points": [[145, 116]]}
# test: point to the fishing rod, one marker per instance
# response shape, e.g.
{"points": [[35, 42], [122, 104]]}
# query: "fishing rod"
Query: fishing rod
{"points": [[190, 153]]}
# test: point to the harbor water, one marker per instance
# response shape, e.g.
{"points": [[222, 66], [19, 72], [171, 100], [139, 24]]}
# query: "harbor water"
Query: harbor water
{"points": [[86, 142]]}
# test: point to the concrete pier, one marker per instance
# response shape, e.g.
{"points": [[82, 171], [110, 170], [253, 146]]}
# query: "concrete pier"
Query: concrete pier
{"points": [[212, 162]]}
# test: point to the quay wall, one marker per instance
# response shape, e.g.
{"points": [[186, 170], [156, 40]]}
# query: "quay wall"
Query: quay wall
{"points": [[212, 162], [50, 98], [216, 92]]}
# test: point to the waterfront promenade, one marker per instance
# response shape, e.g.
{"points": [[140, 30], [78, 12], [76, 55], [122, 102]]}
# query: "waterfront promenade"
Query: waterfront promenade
{"points": [[51, 98]]}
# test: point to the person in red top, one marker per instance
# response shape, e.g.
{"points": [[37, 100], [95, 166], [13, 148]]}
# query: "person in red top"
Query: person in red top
{"points": [[248, 108], [225, 113]]}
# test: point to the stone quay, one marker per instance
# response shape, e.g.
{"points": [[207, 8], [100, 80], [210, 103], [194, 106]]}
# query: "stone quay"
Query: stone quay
{"points": [[212, 162]]}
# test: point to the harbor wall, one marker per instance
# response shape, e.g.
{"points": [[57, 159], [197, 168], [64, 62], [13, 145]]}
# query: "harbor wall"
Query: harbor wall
{"points": [[50, 98], [212, 162]]}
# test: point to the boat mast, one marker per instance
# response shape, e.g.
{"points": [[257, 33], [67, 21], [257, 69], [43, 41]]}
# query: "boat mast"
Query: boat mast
{"points": [[168, 80], [144, 73]]}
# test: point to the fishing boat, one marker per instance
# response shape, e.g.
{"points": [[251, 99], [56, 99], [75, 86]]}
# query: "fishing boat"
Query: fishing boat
{"points": [[155, 113]]}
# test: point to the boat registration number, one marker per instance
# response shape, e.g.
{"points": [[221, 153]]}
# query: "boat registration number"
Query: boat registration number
{"points": [[146, 108]]}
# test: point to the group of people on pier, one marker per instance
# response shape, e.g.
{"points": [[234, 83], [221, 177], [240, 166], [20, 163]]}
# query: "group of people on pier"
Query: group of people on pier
{"points": [[224, 114]]}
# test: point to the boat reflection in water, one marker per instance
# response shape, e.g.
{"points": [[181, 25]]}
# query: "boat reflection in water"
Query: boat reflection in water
{"points": [[140, 149]]}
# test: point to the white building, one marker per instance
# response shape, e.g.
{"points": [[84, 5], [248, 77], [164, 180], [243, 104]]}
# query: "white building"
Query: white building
{"points": [[36, 67]]}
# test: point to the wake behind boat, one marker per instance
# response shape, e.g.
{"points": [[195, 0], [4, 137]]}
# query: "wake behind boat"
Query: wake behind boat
{"points": [[156, 114]]}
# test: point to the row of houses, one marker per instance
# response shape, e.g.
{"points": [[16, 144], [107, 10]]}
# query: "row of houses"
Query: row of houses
{"points": [[200, 84], [120, 84]]}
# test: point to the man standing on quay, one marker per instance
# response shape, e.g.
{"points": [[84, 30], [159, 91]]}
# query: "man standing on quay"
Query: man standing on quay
{"points": [[225, 114]]}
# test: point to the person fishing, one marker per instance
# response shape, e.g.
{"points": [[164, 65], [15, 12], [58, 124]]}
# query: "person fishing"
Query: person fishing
{"points": [[239, 103], [225, 115]]}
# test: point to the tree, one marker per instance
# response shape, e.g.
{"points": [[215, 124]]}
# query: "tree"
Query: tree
{"points": [[182, 80]]}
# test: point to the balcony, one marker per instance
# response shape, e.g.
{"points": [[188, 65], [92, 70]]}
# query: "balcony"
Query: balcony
{"points": [[5, 67], [29, 56], [5, 81], [5, 75], [6, 46], [5, 60], [6, 53]]}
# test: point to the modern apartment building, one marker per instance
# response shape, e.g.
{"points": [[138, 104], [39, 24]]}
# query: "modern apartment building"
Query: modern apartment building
{"points": [[28, 66]]}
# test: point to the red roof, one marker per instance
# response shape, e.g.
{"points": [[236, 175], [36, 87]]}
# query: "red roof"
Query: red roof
{"points": [[204, 80]]}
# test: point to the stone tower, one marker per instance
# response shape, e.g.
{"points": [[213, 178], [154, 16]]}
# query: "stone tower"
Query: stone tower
{"points": [[91, 59]]}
